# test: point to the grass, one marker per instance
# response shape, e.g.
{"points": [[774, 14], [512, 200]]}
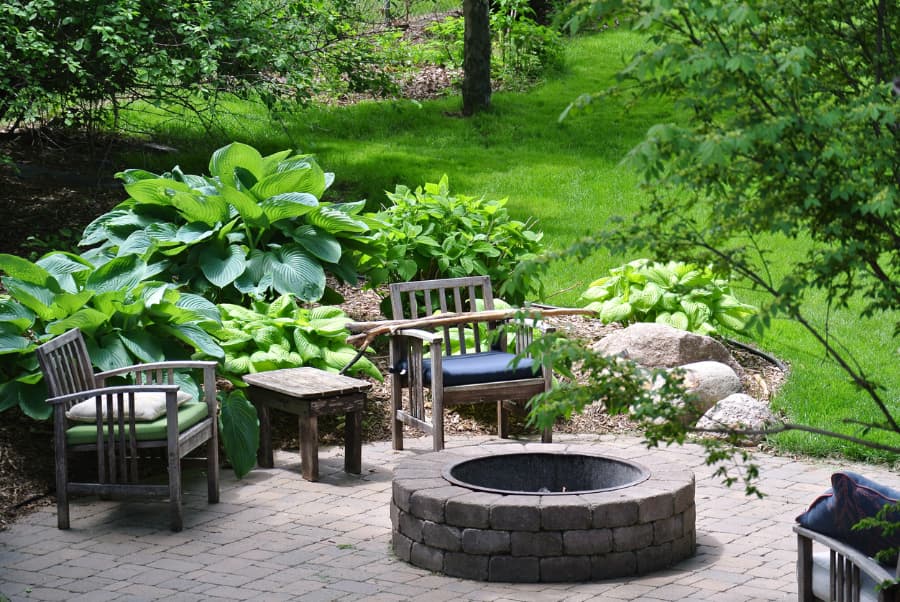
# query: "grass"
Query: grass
{"points": [[567, 176]]}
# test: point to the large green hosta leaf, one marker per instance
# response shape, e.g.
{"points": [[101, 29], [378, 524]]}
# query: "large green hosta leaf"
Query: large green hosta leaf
{"points": [[320, 244], [294, 272], [108, 353], [197, 338], [224, 161], [247, 206], [288, 205], [120, 274], [15, 314], [334, 220], [155, 192], [222, 264], [87, 320], [305, 179], [239, 427], [201, 208], [11, 339]]}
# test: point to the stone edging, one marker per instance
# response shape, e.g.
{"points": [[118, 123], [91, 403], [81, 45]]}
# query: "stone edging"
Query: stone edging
{"points": [[484, 536]]}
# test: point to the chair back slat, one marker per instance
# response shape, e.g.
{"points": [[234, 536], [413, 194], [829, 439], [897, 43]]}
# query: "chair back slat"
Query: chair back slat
{"points": [[66, 364], [412, 300]]}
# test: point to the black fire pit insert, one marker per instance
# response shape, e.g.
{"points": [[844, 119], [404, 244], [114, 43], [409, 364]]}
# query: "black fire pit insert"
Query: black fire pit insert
{"points": [[545, 473]]}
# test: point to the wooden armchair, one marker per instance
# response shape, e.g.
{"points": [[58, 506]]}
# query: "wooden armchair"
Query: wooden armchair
{"points": [[457, 372], [843, 574], [116, 434]]}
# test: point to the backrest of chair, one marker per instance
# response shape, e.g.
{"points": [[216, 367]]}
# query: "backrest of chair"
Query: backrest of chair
{"points": [[421, 299], [66, 364]]}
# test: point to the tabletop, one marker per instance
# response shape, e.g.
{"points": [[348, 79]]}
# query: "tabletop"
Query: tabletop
{"points": [[307, 382]]}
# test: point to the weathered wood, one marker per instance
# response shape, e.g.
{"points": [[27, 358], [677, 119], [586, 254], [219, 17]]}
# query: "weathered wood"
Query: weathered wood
{"points": [[846, 566], [367, 331], [70, 379], [309, 393], [413, 304]]}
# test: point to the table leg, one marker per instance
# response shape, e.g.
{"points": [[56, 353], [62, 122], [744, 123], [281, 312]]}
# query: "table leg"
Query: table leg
{"points": [[264, 455], [309, 447], [353, 442]]}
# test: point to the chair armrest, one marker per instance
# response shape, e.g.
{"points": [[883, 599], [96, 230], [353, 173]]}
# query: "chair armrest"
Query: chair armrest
{"points": [[80, 395], [173, 365], [865, 564], [423, 335]]}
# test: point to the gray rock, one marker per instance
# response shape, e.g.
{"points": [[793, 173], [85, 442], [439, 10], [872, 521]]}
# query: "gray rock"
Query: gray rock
{"points": [[738, 411], [709, 382], [660, 346]]}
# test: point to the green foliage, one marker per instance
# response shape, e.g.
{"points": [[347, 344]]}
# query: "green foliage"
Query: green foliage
{"points": [[283, 335], [239, 427], [522, 49], [787, 143], [429, 234], [126, 316], [254, 227], [83, 57], [682, 295], [655, 399]]}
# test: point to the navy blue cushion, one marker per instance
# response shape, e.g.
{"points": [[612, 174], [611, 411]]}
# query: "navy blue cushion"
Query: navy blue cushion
{"points": [[476, 368], [851, 498]]}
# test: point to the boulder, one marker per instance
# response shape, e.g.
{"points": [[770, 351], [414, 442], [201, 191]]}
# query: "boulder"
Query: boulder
{"points": [[738, 411], [661, 346], [710, 382]]}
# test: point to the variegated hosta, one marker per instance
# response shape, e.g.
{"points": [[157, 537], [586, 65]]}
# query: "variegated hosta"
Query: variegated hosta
{"points": [[254, 227], [283, 335], [682, 295]]}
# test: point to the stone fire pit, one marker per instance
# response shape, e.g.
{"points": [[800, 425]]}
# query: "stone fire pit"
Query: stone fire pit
{"points": [[526, 513]]}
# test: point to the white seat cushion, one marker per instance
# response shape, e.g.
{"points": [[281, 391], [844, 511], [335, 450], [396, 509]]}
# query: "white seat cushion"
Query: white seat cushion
{"points": [[148, 406]]}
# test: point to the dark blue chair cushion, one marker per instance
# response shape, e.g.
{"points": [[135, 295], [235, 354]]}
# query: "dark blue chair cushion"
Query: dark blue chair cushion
{"points": [[477, 368], [851, 498]]}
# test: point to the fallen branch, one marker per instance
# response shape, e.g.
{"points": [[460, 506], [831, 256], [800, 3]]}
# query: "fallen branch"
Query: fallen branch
{"points": [[367, 331]]}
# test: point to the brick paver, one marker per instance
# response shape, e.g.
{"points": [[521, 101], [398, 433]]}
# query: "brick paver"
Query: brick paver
{"points": [[275, 536]]}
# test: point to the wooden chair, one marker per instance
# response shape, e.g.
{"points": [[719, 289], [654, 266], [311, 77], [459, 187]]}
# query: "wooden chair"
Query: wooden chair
{"points": [[115, 435], [843, 574], [460, 374]]}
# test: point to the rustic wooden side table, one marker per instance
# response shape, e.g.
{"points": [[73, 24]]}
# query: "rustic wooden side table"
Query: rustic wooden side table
{"points": [[309, 393]]}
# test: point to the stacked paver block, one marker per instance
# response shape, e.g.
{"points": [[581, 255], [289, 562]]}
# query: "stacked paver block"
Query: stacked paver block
{"points": [[484, 536]]}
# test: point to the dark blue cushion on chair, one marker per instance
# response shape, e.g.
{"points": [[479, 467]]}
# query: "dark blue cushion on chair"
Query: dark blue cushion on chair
{"points": [[476, 368], [851, 498]]}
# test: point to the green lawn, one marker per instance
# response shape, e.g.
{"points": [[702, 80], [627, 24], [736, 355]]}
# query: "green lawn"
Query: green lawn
{"points": [[567, 176]]}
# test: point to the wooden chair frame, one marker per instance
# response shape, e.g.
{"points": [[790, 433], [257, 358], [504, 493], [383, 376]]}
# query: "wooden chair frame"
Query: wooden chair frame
{"points": [[408, 347], [847, 565], [70, 379]]}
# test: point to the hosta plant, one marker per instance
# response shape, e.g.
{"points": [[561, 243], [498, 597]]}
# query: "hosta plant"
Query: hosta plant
{"points": [[682, 295], [269, 336], [254, 226], [126, 314], [431, 234]]}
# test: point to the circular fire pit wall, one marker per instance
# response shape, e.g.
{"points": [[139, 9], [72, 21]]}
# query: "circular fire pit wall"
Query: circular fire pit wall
{"points": [[496, 513]]}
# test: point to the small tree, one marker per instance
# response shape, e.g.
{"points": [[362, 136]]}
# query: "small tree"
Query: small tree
{"points": [[791, 128]]}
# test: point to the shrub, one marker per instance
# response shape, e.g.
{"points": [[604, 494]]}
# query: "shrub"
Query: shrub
{"points": [[679, 294], [430, 234], [254, 227], [522, 49], [270, 336], [126, 317]]}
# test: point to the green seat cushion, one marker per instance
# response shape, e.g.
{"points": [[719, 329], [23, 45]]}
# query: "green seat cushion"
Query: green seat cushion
{"points": [[188, 415]]}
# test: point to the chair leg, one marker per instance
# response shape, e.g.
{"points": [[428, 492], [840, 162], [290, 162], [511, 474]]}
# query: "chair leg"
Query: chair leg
{"points": [[175, 490], [62, 493], [502, 421], [396, 397], [212, 469], [437, 417]]}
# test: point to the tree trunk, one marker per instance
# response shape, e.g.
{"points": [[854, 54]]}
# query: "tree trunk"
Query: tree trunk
{"points": [[476, 88]]}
